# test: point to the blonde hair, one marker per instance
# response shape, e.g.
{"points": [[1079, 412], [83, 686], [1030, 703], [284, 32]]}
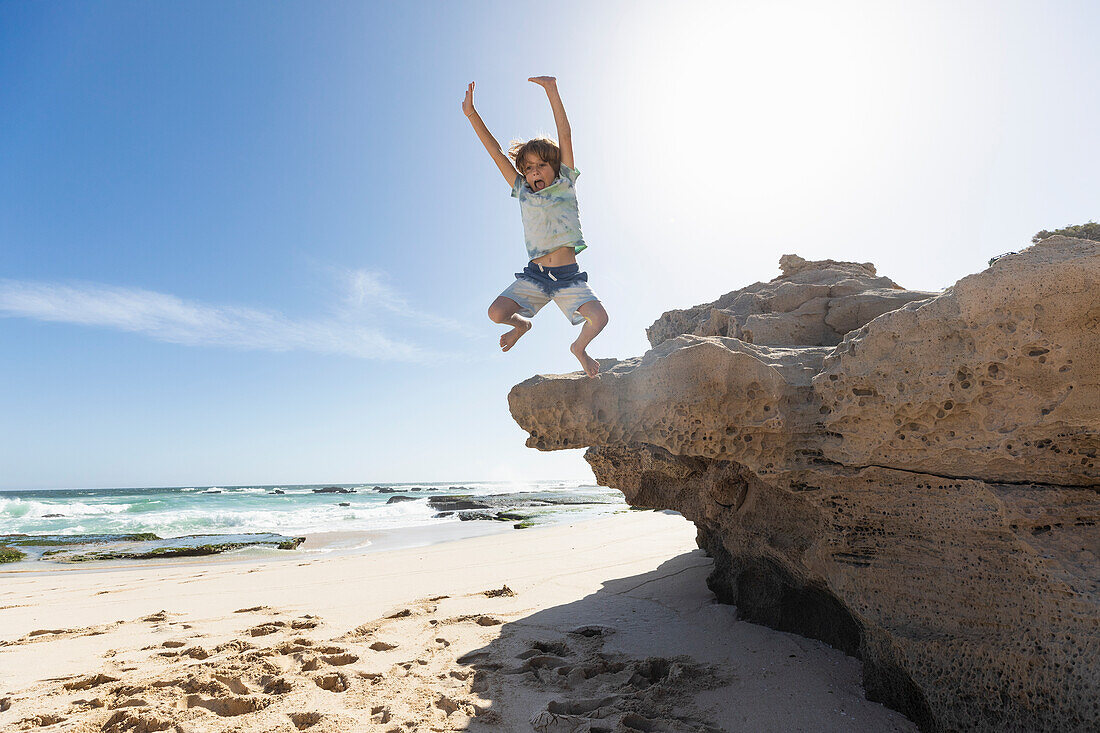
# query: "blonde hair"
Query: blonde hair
{"points": [[543, 147]]}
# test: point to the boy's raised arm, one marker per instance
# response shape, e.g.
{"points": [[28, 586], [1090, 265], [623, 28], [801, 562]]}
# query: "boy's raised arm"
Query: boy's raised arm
{"points": [[565, 139], [503, 163]]}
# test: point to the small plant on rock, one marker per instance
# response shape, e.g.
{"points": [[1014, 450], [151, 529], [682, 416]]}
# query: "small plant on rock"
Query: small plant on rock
{"points": [[1091, 230]]}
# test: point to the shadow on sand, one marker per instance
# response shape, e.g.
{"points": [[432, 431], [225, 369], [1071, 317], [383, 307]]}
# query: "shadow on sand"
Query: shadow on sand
{"points": [[656, 652]]}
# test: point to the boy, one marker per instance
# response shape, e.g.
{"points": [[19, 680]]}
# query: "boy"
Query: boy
{"points": [[552, 230]]}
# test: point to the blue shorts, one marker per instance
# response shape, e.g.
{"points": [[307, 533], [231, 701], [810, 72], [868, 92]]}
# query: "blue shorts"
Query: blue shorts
{"points": [[537, 285]]}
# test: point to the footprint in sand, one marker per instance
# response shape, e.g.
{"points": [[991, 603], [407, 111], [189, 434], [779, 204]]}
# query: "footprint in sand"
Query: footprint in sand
{"points": [[499, 592], [265, 629], [195, 652], [276, 685], [92, 704], [228, 707], [305, 622], [289, 647], [478, 618], [333, 682], [130, 702], [40, 721], [644, 687], [234, 684], [88, 682], [302, 721], [339, 660], [237, 645], [131, 721]]}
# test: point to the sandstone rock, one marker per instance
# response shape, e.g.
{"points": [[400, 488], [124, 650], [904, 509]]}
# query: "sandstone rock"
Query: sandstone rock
{"points": [[998, 378], [810, 304], [923, 495]]}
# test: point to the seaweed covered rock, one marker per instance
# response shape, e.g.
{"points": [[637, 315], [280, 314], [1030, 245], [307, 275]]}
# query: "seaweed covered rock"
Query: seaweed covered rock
{"points": [[924, 494]]}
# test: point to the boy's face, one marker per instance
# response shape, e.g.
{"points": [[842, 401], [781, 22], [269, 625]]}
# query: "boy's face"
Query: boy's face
{"points": [[538, 173]]}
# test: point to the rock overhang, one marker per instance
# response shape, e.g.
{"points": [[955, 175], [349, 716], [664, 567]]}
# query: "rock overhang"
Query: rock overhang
{"points": [[927, 478]]}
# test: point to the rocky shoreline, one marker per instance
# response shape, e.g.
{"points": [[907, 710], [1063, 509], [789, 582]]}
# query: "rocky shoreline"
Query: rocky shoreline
{"points": [[81, 548]]}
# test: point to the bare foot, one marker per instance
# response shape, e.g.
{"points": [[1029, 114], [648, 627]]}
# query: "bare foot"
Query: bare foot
{"points": [[591, 368], [509, 339]]}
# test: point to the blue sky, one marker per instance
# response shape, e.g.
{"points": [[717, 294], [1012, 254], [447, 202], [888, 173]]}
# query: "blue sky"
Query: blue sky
{"points": [[254, 242]]}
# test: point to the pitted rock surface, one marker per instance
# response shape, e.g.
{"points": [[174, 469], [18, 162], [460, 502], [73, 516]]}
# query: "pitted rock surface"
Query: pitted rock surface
{"points": [[925, 494], [998, 378]]}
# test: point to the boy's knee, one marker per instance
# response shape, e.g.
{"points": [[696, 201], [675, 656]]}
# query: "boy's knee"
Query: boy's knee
{"points": [[596, 316], [499, 313]]}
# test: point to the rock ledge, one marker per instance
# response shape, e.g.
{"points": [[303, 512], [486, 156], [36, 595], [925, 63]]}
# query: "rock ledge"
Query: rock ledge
{"points": [[909, 476]]}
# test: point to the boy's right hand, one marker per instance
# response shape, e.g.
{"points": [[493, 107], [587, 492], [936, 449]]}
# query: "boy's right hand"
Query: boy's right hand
{"points": [[468, 102]]}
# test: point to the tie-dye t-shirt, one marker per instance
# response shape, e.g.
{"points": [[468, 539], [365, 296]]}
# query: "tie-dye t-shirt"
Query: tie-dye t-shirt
{"points": [[550, 218]]}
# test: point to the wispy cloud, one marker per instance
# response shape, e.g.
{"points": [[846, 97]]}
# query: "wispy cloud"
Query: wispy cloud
{"points": [[172, 319], [367, 290]]}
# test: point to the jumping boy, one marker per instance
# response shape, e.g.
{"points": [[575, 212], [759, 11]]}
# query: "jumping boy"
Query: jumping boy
{"points": [[544, 185]]}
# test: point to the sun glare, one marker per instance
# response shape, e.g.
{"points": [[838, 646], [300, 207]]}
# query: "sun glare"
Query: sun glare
{"points": [[754, 110]]}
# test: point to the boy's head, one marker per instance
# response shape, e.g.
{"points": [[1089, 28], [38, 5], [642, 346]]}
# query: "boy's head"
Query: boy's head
{"points": [[537, 160]]}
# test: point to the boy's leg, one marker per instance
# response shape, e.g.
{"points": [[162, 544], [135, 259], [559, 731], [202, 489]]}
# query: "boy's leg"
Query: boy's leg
{"points": [[595, 318], [506, 311]]}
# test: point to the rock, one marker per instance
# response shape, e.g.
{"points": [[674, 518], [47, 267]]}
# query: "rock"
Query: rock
{"points": [[997, 379], [810, 304], [472, 516], [399, 499], [51, 516], [455, 503], [333, 490], [344, 503], [519, 499], [277, 491], [922, 494], [143, 546], [385, 490]]}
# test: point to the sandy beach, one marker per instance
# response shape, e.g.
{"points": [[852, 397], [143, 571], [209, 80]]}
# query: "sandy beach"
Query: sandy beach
{"points": [[602, 625]]}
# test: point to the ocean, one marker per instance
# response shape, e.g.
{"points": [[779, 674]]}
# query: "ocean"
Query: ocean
{"points": [[221, 513]]}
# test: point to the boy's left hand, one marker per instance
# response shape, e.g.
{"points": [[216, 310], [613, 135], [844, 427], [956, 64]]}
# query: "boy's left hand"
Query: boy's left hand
{"points": [[546, 82]]}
